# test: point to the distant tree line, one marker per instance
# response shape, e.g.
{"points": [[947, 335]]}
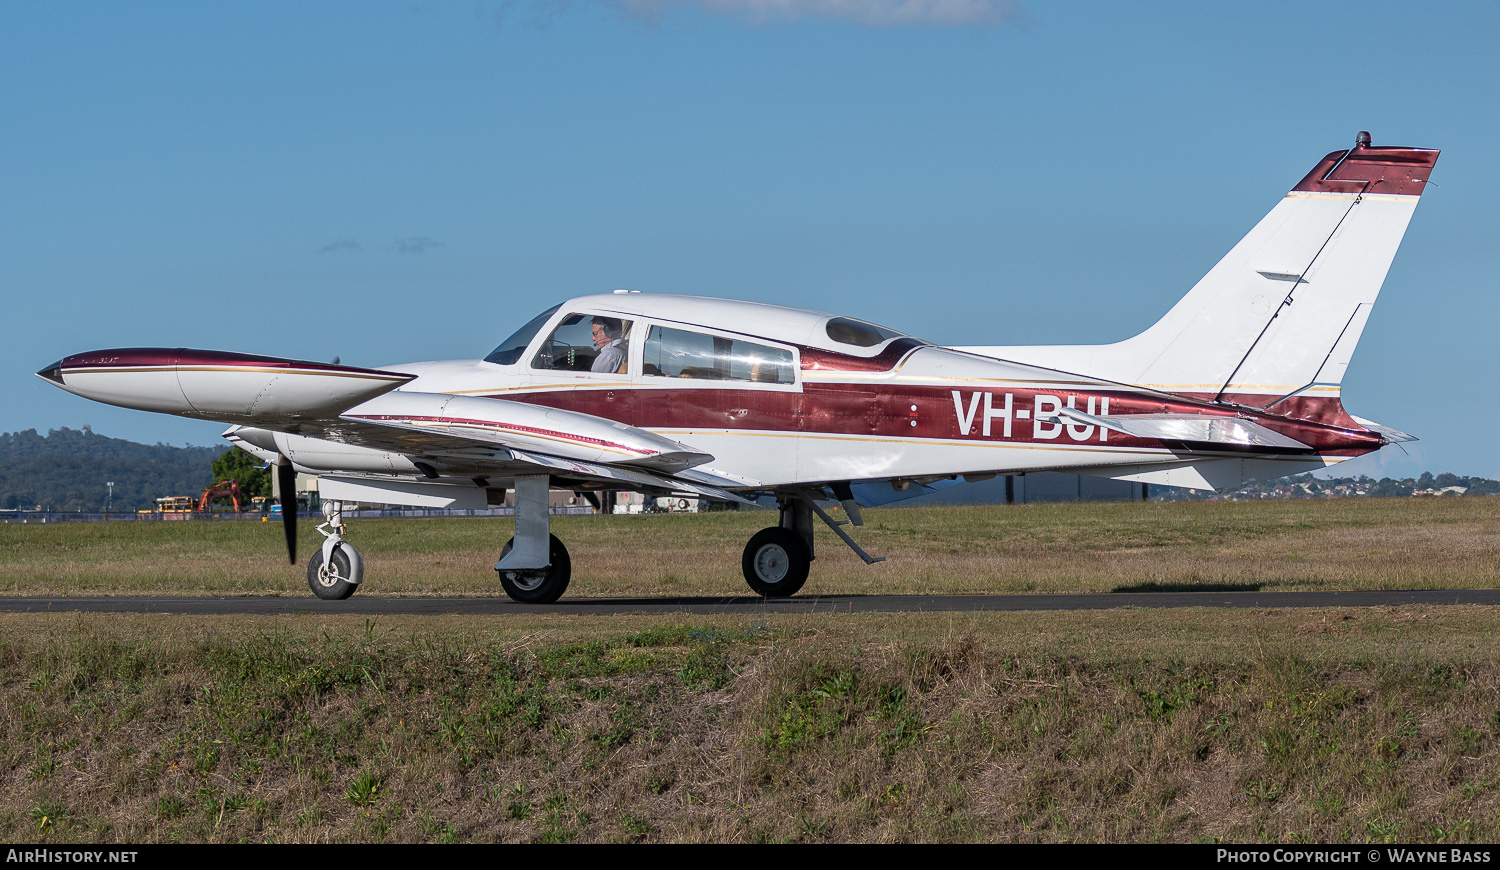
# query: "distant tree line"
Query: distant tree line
{"points": [[1307, 486], [68, 469]]}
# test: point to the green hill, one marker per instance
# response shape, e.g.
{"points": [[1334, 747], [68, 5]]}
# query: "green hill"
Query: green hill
{"points": [[67, 470]]}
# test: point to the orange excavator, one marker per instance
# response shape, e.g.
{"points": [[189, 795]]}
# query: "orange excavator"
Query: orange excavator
{"points": [[230, 488]]}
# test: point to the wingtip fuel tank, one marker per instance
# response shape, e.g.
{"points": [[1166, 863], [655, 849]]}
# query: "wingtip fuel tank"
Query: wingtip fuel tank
{"points": [[217, 385]]}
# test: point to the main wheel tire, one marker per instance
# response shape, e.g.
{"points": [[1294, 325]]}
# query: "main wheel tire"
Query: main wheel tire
{"points": [[776, 562], [539, 590], [339, 581]]}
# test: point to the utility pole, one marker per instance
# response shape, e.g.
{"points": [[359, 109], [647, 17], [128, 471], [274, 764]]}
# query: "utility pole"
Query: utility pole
{"points": [[109, 500]]}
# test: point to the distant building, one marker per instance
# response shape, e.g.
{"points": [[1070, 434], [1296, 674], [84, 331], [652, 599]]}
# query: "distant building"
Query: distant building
{"points": [[1037, 487]]}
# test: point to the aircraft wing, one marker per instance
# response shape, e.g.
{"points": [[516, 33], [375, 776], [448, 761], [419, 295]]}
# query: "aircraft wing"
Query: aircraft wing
{"points": [[510, 437], [349, 405], [438, 421]]}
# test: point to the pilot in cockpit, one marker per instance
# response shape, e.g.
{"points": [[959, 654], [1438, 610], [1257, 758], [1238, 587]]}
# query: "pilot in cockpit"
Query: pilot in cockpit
{"points": [[610, 343]]}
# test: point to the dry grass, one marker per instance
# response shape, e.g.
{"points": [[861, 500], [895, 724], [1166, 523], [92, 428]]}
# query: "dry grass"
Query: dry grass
{"points": [[1334, 544], [1348, 725], [1298, 726]]}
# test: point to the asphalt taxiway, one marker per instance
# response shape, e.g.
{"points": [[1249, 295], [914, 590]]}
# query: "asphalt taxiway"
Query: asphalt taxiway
{"points": [[377, 605]]}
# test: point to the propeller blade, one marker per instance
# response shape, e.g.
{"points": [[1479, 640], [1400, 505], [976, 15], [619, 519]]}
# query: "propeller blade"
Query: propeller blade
{"points": [[286, 483]]}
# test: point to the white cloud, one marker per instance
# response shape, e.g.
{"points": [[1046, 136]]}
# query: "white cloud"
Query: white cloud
{"points": [[341, 246], [415, 244], [868, 13]]}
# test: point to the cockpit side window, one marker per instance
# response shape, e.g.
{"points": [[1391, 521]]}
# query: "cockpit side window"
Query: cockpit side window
{"points": [[512, 348], [679, 353], [586, 343]]}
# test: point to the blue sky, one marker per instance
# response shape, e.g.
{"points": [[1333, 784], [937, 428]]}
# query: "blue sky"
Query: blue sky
{"points": [[390, 182]]}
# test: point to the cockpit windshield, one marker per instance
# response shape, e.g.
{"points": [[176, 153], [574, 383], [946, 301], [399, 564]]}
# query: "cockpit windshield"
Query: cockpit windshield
{"points": [[510, 350]]}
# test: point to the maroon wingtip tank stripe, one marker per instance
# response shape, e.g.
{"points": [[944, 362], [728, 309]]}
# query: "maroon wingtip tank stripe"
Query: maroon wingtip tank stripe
{"points": [[147, 357], [1371, 169], [122, 357]]}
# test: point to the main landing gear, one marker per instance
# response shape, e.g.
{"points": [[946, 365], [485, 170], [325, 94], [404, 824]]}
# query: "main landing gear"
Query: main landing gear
{"points": [[538, 587], [777, 559], [335, 570], [776, 562], [534, 567]]}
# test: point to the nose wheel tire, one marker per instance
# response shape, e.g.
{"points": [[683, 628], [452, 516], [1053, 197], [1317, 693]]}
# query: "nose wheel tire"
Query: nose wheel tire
{"points": [[776, 562], [539, 587], [339, 580]]}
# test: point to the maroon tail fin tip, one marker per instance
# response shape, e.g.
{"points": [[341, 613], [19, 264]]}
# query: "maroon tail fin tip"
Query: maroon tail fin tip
{"points": [[1367, 168]]}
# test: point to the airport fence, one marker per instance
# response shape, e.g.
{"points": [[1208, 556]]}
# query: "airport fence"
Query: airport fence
{"points": [[14, 517]]}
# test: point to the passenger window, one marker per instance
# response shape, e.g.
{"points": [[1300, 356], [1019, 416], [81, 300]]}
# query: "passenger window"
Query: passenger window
{"points": [[678, 353], [586, 343]]}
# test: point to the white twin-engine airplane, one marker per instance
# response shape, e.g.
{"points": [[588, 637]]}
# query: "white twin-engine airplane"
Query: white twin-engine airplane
{"points": [[743, 402]]}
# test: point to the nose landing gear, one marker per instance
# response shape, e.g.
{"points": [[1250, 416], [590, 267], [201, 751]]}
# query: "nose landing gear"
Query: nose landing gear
{"points": [[335, 571]]}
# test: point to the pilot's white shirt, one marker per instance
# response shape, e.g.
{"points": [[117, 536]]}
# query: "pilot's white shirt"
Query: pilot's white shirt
{"points": [[610, 357]]}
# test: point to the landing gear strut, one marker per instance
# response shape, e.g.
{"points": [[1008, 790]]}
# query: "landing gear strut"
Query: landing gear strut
{"points": [[534, 567], [335, 570], [777, 559]]}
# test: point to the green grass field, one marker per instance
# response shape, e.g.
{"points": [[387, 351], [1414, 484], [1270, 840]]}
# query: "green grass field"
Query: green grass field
{"points": [[1331, 544], [1330, 725]]}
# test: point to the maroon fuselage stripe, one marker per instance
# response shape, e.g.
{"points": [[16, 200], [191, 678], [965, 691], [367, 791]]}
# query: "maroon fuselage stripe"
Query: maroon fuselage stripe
{"points": [[885, 411]]}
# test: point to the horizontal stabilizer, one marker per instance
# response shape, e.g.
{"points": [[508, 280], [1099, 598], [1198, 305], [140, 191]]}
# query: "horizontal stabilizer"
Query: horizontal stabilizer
{"points": [[1391, 436], [1197, 428], [1218, 475]]}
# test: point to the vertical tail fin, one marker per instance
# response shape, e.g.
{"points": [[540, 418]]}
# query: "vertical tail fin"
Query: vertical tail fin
{"points": [[1276, 321], [1305, 345]]}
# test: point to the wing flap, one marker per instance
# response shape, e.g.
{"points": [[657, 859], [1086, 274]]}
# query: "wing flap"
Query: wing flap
{"points": [[633, 476]]}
